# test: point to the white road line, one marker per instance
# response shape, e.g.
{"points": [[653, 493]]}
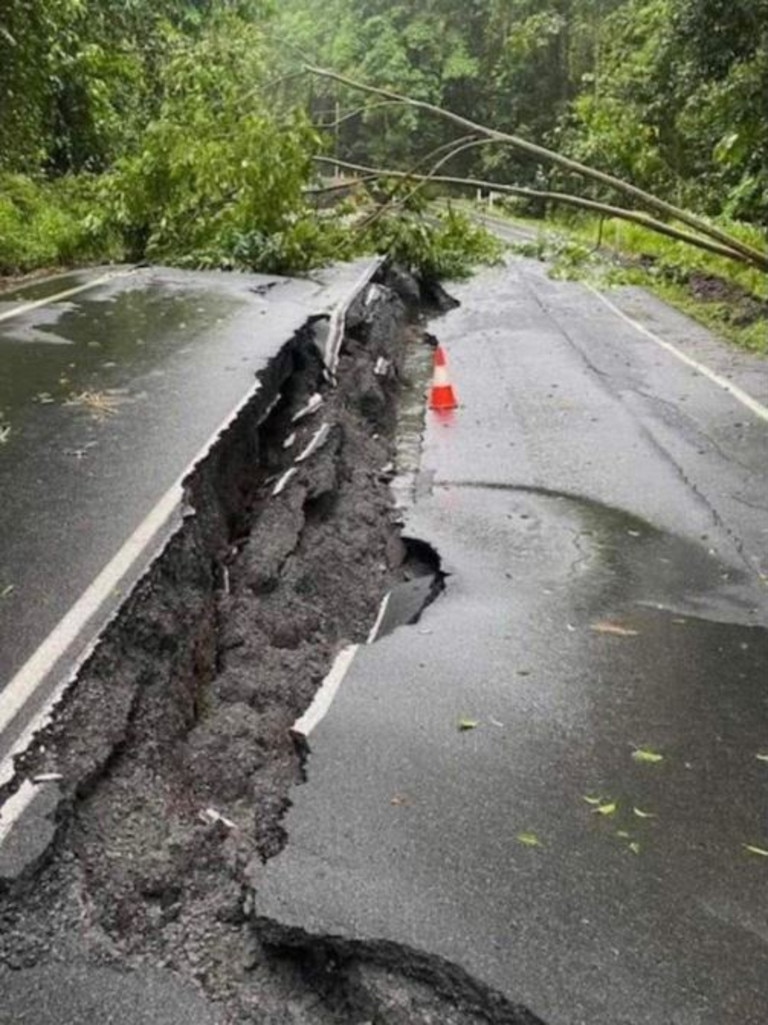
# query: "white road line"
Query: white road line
{"points": [[14, 808], [739, 394], [379, 618], [19, 311], [323, 699]]}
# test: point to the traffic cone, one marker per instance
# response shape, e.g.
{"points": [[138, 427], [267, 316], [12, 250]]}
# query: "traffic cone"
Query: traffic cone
{"points": [[442, 395]]}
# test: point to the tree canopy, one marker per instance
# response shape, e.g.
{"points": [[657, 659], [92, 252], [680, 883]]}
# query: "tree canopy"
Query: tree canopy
{"points": [[185, 128]]}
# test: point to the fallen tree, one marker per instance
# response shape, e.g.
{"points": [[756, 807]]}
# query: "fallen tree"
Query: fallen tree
{"points": [[728, 245], [603, 209]]}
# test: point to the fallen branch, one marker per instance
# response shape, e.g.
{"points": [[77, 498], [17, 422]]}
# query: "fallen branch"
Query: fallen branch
{"points": [[468, 142], [350, 114], [604, 209], [751, 255]]}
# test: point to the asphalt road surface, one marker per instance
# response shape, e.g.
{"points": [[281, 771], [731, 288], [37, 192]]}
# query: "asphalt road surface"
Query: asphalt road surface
{"points": [[112, 384], [594, 846]]}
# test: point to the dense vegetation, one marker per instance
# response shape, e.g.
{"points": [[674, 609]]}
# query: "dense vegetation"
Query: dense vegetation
{"points": [[668, 93], [185, 130]]}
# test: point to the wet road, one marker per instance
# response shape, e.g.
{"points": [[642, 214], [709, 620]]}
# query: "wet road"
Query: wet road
{"points": [[108, 394], [600, 507]]}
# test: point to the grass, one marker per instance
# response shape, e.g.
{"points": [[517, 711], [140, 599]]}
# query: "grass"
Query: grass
{"points": [[727, 297]]}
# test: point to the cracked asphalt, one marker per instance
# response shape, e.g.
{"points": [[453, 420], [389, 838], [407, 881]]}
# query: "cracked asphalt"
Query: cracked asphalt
{"points": [[108, 395], [590, 849]]}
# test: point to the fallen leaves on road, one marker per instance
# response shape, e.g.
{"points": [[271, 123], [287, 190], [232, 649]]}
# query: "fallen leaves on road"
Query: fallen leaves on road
{"points": [[614, 629], [646, 755], [7, 591], [608, 808], [529, 840], [592, 800], [465, 724], [643, 814], [634, 847], [399, 799], [99, 404], [5, 433], [760, 851], [762, 757]]}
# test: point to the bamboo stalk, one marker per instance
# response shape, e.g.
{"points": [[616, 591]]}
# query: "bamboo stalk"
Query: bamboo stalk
{"points": [[633, 216], [751, 255]]}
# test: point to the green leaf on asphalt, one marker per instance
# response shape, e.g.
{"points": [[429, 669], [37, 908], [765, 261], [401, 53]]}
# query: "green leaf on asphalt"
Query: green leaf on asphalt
{"points": [[467, 724], [529, 840], [634, 847], [592, 800], [756, 850], [643, 814], [644, 754], [762, 758], [6, 591], [622, 834], [609, 808]]}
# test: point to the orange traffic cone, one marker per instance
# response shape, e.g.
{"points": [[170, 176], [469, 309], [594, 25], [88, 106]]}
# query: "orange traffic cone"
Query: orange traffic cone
{"points": [[442, 395]]}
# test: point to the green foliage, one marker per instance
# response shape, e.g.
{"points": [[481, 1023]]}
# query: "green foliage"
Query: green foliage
{"points": [[448, 245], [180, 117]]}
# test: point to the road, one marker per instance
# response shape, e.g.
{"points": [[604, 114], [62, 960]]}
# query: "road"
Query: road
{"points": [[592, 848], [114, 384]]}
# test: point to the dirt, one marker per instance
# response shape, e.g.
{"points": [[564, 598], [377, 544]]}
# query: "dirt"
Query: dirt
{"points": [[743, 307], [174, 745]]}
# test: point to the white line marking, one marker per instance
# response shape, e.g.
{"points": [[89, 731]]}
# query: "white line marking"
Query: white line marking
{"points": [[739, 394], [323, 699], [379, 618], [29, 307], [15, 807], [22, 687]]}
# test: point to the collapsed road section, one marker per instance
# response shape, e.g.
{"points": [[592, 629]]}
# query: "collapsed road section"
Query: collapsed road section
{"points": [[165, 768]]}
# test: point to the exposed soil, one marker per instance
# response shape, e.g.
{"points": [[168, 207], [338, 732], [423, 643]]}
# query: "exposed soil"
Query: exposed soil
{"points": [[743, 307], [174, 744]]}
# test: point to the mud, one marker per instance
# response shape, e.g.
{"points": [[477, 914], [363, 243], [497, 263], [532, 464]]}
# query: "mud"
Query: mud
{"points": [[174, 745]]}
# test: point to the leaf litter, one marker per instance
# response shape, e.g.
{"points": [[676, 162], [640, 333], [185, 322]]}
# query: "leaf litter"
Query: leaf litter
{"points": [[643, 814], [614, 629], [751, 849], [465, 724], [101, 405], [647, 756]]}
